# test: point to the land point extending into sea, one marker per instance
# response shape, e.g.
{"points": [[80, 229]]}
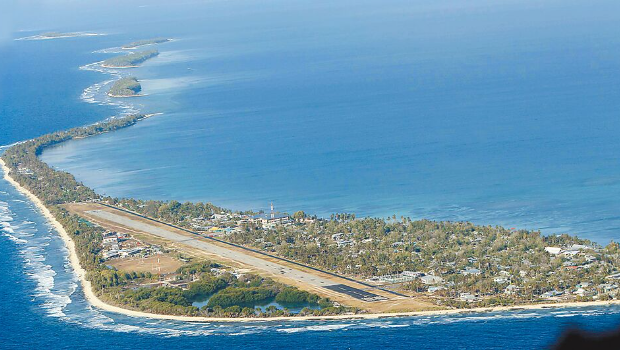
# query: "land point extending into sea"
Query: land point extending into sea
{"points": [[229, 265]]}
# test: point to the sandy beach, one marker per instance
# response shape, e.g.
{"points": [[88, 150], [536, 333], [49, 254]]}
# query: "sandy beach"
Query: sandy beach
{"points": [[95, 301]]}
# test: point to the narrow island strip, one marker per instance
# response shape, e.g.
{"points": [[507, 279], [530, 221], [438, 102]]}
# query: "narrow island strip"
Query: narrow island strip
{"points": [[131, 60], [58, 35], [139, 43], [237, 275]]}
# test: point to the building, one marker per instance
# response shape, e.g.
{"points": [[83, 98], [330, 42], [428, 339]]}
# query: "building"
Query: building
{"points": [[412, 273], [344, 243], [110, 238], [270, 220], [111, 254], [430, 279], [551, 294], [338, 236], [468, 297], [470, 271], [405, 276], [131, 251], [553, 250], [216, 230], [511, 289], [220, 217], [582, 292], [615, 276]]}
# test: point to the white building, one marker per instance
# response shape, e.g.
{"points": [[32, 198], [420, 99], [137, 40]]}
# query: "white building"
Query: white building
{"points": [[430, 279], [474, 272], [434, 289], [511, 289], [551, 294], [110, 254], [468, 297], [553, 250]]}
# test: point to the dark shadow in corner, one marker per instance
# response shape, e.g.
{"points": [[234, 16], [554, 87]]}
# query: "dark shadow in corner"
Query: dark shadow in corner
{"points": [[579, 339]]}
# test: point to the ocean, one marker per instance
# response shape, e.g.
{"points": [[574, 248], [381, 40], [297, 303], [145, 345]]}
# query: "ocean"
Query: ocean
{"points": [[493, 113]]}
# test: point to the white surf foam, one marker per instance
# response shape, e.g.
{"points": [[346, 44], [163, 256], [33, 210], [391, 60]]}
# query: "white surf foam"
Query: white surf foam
{"points": [[98, 92], [31, 245], [70, 35], [316, 328]]}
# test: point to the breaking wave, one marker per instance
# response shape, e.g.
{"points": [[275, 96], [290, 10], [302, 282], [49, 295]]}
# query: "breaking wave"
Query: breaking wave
{"points": [[97, 93], [58, 294]]}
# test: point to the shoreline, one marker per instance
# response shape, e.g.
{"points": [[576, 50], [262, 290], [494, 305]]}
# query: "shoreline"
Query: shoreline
{"points": [[98, 303], [64, 36], [117, 67], [149, 44], [124, 96]]}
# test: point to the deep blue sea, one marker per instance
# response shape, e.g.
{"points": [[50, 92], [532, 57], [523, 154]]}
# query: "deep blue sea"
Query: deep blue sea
{"points": [[494, 113]]}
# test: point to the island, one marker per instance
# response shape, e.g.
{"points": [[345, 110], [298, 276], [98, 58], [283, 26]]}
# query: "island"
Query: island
{"points": [[57, 35], [186, 277], [129, 61], [125, 87], [209, 263], [136, 44]]}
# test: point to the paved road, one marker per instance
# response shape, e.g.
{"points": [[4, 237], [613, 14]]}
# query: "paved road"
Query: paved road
{"points": [[341, 288], [261, 264]]}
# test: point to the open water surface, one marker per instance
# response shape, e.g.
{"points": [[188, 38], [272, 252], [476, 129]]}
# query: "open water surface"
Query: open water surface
{"points": [[495, 113]]}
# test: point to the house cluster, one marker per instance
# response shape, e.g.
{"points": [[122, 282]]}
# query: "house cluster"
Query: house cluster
{"points": [[120, 245], [584, 289], [22, 170], [507, 280], [577, 255], [217, 224], [343, 239], [405, 276], [570, 251], [270, 220], [224, 223]]}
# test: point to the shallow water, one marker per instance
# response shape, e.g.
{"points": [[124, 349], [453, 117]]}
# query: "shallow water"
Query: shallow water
{"points": [[44, 299], [498, 115], [501, 115]]}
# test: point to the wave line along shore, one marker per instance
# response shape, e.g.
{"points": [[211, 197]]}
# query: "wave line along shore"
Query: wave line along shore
{"points": [[98, 303]]}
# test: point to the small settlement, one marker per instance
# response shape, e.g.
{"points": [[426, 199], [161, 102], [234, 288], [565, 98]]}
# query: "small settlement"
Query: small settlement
{"points": [[472, 274], [126, 253], [225, 223]]}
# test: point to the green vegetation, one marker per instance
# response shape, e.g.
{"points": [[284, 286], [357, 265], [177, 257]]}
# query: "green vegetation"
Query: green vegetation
{"points": [[292, 295], [51, 186], [497, 266], [477, 265], [239, 296], [172, 211], [57, 35], [125, 87], [204, 288], [139, 43], [131, 60], [140, 291]]}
